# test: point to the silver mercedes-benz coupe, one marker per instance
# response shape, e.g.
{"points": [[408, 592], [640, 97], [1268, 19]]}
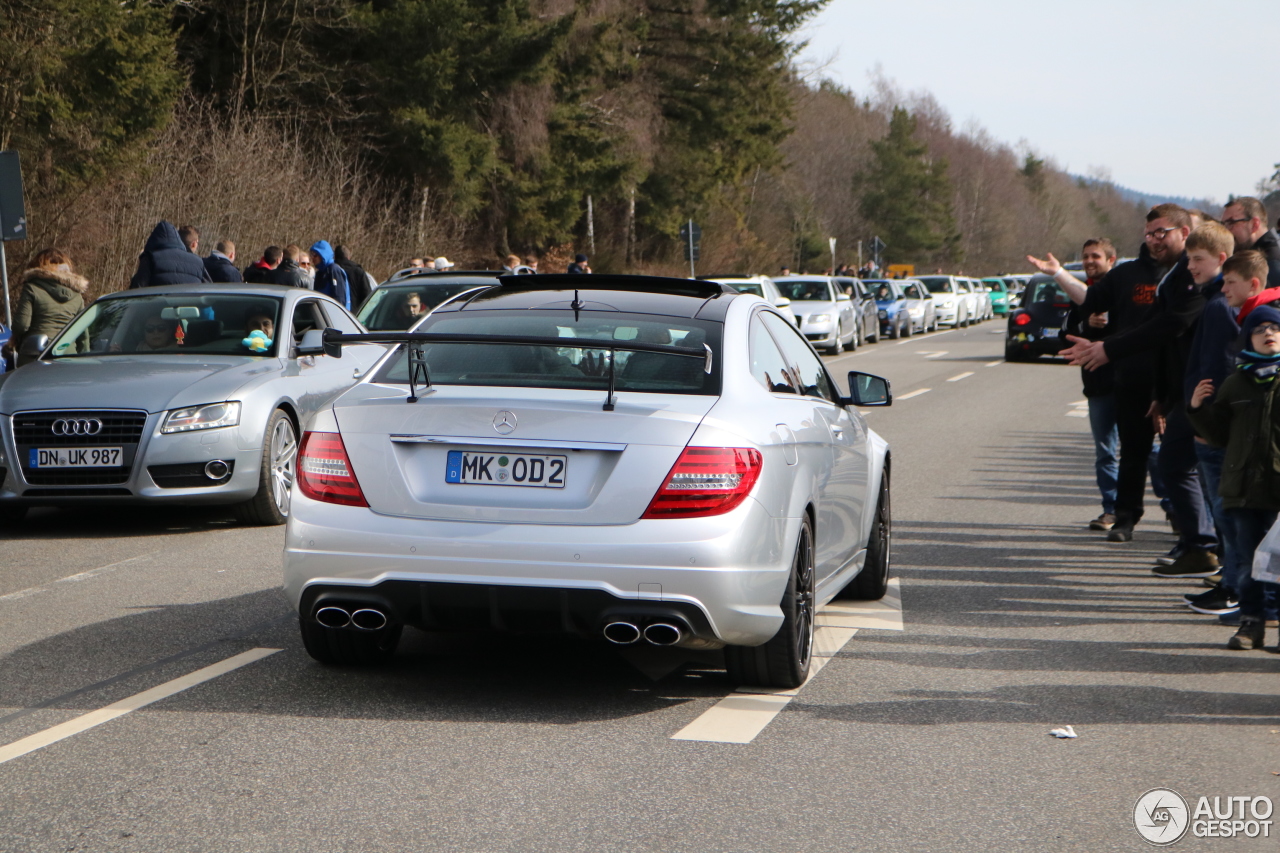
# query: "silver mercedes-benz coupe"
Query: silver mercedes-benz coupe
{"points": [[639, 459], [187, 394]]}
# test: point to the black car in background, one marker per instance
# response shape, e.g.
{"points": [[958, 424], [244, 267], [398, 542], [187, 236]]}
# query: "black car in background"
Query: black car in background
{"points": [[1037, 326]]}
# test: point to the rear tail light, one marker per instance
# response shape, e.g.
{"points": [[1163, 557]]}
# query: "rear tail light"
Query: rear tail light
{"points": [[1022, 319], [706, 481], [324, 471]]}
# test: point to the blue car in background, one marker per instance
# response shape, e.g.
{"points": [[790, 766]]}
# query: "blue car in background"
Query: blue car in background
{"points": [[891, 306], [6, 335]]}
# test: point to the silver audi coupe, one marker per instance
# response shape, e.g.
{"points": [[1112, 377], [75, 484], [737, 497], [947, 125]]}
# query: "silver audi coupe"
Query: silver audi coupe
{"points": [[643, 460], [187, 394]]}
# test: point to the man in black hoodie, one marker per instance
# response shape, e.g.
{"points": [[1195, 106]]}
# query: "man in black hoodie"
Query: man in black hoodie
{"points": [[1150, 356], [1246, 217], [357, 278], [167, 260]]}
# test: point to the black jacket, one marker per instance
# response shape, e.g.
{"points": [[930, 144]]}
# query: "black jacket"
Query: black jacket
{"points": [[259, 273], [357, 282], [1269, 245], [1100, 382], [221, 269], [1127, 295], [288, 273], [166, 260]]}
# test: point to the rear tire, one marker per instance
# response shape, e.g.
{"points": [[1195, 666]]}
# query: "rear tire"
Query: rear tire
{"points": [[270, 505], [343, 647], [873, 581], [784, 660]]}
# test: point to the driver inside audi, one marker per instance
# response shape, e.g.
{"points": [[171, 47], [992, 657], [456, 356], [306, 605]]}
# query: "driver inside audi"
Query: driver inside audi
{"points": [[158, 334]]}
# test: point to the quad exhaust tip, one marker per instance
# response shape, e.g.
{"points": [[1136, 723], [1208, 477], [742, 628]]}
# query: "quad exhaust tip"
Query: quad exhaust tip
{"points": [[621, 633], [662, 634], [363, 619]]}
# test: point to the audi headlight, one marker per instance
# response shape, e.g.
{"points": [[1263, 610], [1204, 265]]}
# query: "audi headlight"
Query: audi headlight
{"points": [[820, 318], [210, 416]]}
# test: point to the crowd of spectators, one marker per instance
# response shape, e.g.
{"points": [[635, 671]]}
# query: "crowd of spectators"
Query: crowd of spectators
{"points": [[1182, 344]]}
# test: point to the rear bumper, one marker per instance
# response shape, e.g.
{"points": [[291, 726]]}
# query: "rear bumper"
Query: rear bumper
{"points": [[1030, 344], [724, 576]]}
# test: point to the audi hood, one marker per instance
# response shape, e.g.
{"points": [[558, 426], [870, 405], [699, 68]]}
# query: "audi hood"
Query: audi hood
{"points": [[154, 382]]}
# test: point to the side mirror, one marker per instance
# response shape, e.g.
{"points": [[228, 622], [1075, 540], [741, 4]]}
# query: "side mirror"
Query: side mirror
{"points": [[782, 302], [842, 297], [29, 351], [313, 343], [868, 390]]}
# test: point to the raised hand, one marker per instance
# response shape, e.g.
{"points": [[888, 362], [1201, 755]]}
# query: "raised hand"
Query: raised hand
{"points": [[1049, 266]]}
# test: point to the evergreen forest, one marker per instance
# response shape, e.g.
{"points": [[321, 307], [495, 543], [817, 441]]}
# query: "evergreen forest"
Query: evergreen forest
{"points": [[477, 128]]}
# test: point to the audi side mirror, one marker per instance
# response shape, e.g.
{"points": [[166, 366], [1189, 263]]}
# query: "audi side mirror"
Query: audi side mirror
{"points": [[30, 349], [314, 343], [782, 302], [843, 297], [868, 390]]}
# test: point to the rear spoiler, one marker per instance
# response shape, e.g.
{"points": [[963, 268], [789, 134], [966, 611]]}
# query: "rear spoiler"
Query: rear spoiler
{"points": [[330, 342]]}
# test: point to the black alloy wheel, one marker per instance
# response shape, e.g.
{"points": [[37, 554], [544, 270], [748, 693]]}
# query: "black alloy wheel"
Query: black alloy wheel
{"points": [[873, 581], [785, 659]]}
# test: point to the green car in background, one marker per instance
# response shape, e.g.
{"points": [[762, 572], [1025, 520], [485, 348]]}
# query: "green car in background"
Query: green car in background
{"points": [[999, 293]]}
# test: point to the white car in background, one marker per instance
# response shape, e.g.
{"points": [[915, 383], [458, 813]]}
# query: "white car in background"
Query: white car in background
{"points": [[982, 307], [950, 300], [758, 285], [920, 308], [825, 314]]}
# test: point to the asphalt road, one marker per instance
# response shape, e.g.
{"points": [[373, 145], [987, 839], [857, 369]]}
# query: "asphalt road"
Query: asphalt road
{"points": [[1015, 620]]}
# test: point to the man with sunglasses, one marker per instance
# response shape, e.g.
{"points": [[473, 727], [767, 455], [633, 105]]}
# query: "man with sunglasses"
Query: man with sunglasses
{"points": [[1246, 217]]}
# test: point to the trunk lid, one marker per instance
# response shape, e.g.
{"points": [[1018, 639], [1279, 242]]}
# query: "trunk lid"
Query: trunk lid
{"points": [[614, 462]]}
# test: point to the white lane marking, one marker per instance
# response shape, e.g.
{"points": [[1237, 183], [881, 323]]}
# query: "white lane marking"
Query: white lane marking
{"points": [[915, 393], [62, 731], [994, 363], [1079, 409], [960, 376], [931, 353], [76, 578], [738, 718], [885, 614]]}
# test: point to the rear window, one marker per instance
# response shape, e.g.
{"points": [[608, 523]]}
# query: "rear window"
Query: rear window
{"points": [[1048, 291], [524, 366]]}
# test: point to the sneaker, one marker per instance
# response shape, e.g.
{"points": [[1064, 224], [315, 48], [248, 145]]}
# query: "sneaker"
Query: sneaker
{"points": [[1193, 564], [1121, 533], [1174, 553], [1251, 635], [1106, 521], [1215, 602]]}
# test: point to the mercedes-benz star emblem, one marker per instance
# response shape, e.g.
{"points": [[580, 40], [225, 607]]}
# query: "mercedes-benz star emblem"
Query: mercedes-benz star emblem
{"points": [[76, 426], [504, 423]]}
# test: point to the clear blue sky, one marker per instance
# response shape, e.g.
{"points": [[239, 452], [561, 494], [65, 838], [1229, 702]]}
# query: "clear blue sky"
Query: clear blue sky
{"points": [[1173, 97]]}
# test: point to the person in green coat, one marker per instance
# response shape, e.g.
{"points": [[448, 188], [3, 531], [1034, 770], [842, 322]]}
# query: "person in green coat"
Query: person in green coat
{"points": [[52, 294], [1244, 417]]}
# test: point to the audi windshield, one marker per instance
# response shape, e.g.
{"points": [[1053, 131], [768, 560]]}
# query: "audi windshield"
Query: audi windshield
{"points": [[231, 324]]}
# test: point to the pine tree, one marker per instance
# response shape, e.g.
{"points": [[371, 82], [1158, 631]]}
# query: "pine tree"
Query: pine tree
{"points": [[907, 197]]}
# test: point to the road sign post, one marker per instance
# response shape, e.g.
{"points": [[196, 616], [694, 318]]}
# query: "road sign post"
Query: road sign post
{"points": [[691, 236], [877, 250], [13, 219]]}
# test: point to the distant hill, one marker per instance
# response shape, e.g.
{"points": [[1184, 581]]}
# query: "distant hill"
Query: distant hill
{"points": [[1152, 199]]}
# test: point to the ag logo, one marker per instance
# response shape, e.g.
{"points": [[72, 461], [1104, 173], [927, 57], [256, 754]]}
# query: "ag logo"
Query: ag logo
{"points": [[1161, 816]]}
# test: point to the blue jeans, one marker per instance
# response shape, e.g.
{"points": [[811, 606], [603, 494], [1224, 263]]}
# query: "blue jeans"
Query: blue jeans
{"points": [[1211, 459], [1157, 482], [1178, 469], [1106, 448], [1251, 525]]}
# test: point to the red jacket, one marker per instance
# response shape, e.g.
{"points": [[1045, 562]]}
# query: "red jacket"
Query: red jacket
{"points": [[1269, 295]]}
